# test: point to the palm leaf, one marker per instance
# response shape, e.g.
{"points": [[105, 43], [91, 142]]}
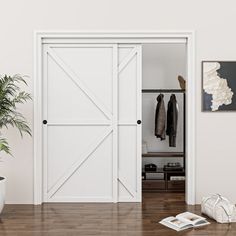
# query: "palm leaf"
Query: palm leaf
{"points": [[10, 96], [4, 146]]}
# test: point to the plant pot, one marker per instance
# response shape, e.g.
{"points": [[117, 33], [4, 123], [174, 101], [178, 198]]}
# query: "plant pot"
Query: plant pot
{"points": [[2, 192]]}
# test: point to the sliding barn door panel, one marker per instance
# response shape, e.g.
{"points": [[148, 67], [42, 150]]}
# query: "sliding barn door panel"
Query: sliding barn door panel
{"points": [[128, 188], [61, 160], [92, 142], [90, 182], [128, 92], [67, 102], [78, 138], [93, 66], [129, 155]]}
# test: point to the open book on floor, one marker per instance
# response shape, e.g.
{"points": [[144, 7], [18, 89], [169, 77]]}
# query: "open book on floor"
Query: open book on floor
{"points": [[183, 221]]}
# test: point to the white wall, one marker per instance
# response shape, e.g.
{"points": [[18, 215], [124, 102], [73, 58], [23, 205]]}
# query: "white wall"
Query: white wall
{"points": [[214, 22], [162, 63]]}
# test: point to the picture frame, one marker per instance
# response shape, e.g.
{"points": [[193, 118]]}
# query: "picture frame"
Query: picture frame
{"points": [[218, 86]]}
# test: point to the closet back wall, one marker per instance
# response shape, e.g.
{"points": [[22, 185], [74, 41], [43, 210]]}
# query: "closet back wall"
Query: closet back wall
{"points": [[215, 40], [162, 63]]}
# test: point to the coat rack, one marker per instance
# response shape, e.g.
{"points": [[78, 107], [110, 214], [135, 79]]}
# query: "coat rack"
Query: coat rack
{"points": [[163, 90], [184, 110]]}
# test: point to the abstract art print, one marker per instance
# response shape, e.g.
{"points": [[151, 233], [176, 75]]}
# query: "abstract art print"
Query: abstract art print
{"points": [[219, 85]]}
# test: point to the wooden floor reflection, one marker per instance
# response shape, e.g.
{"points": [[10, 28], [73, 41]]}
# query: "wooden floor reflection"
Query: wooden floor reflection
{"points": [[106, 219]]}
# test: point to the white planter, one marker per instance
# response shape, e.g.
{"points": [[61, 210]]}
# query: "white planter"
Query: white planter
{"points": [[2, 192]]}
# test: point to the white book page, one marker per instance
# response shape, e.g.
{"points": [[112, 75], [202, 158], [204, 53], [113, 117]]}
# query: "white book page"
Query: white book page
{"points": [[175, 223], [191, 218]]}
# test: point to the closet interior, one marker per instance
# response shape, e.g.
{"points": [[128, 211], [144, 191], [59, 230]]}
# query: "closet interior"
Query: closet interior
{"points": [[163, 117]]}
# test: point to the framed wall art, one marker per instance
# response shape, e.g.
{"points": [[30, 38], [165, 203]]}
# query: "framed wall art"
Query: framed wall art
{"points": [[219, 86]]}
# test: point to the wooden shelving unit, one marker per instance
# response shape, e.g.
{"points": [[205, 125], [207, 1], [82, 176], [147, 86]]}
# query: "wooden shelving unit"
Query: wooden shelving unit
{"points": [[165, 184], [160, 170], [163, 154]]}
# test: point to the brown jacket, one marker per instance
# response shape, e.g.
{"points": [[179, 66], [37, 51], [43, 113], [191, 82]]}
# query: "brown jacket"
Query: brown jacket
{"points": [[160, 118]]}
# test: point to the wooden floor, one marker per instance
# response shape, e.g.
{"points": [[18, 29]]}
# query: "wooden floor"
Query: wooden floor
{"points": [[104, 219]]}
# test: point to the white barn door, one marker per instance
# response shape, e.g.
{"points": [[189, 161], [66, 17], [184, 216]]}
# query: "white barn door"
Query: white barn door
{"points": [[85, 120], [129, 115]]}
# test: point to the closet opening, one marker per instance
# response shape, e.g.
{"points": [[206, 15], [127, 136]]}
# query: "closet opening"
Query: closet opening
{"points": [[109, 114], [164, 73]]}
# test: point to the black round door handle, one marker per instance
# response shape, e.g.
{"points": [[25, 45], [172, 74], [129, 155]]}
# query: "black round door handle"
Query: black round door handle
{"points": [[45, 122], [139, 122]]}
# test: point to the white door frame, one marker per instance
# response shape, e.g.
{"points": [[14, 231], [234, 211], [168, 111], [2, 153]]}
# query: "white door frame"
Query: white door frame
{"points": [[41, 37]]}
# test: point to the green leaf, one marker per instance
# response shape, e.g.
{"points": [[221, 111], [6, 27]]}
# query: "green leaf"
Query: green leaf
{"points": [[4, 146], [10, 96]]}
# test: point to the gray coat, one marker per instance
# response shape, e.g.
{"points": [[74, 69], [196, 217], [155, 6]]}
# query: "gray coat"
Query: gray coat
{"points": [[160, 118]]}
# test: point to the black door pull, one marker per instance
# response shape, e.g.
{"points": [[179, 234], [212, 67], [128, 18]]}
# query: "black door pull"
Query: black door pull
{"points": [[139, 122], [45, 122]]}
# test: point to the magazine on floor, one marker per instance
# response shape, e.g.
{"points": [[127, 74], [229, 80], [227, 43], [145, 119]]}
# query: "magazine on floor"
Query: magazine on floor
{"points": [[184, 221]]}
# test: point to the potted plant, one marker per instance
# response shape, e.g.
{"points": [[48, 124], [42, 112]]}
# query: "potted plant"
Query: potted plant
{"points": [[10, 96]]}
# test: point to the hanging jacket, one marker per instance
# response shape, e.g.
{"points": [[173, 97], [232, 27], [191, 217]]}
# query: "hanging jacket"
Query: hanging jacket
{"points": [[160, 118], [172, 120]]}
